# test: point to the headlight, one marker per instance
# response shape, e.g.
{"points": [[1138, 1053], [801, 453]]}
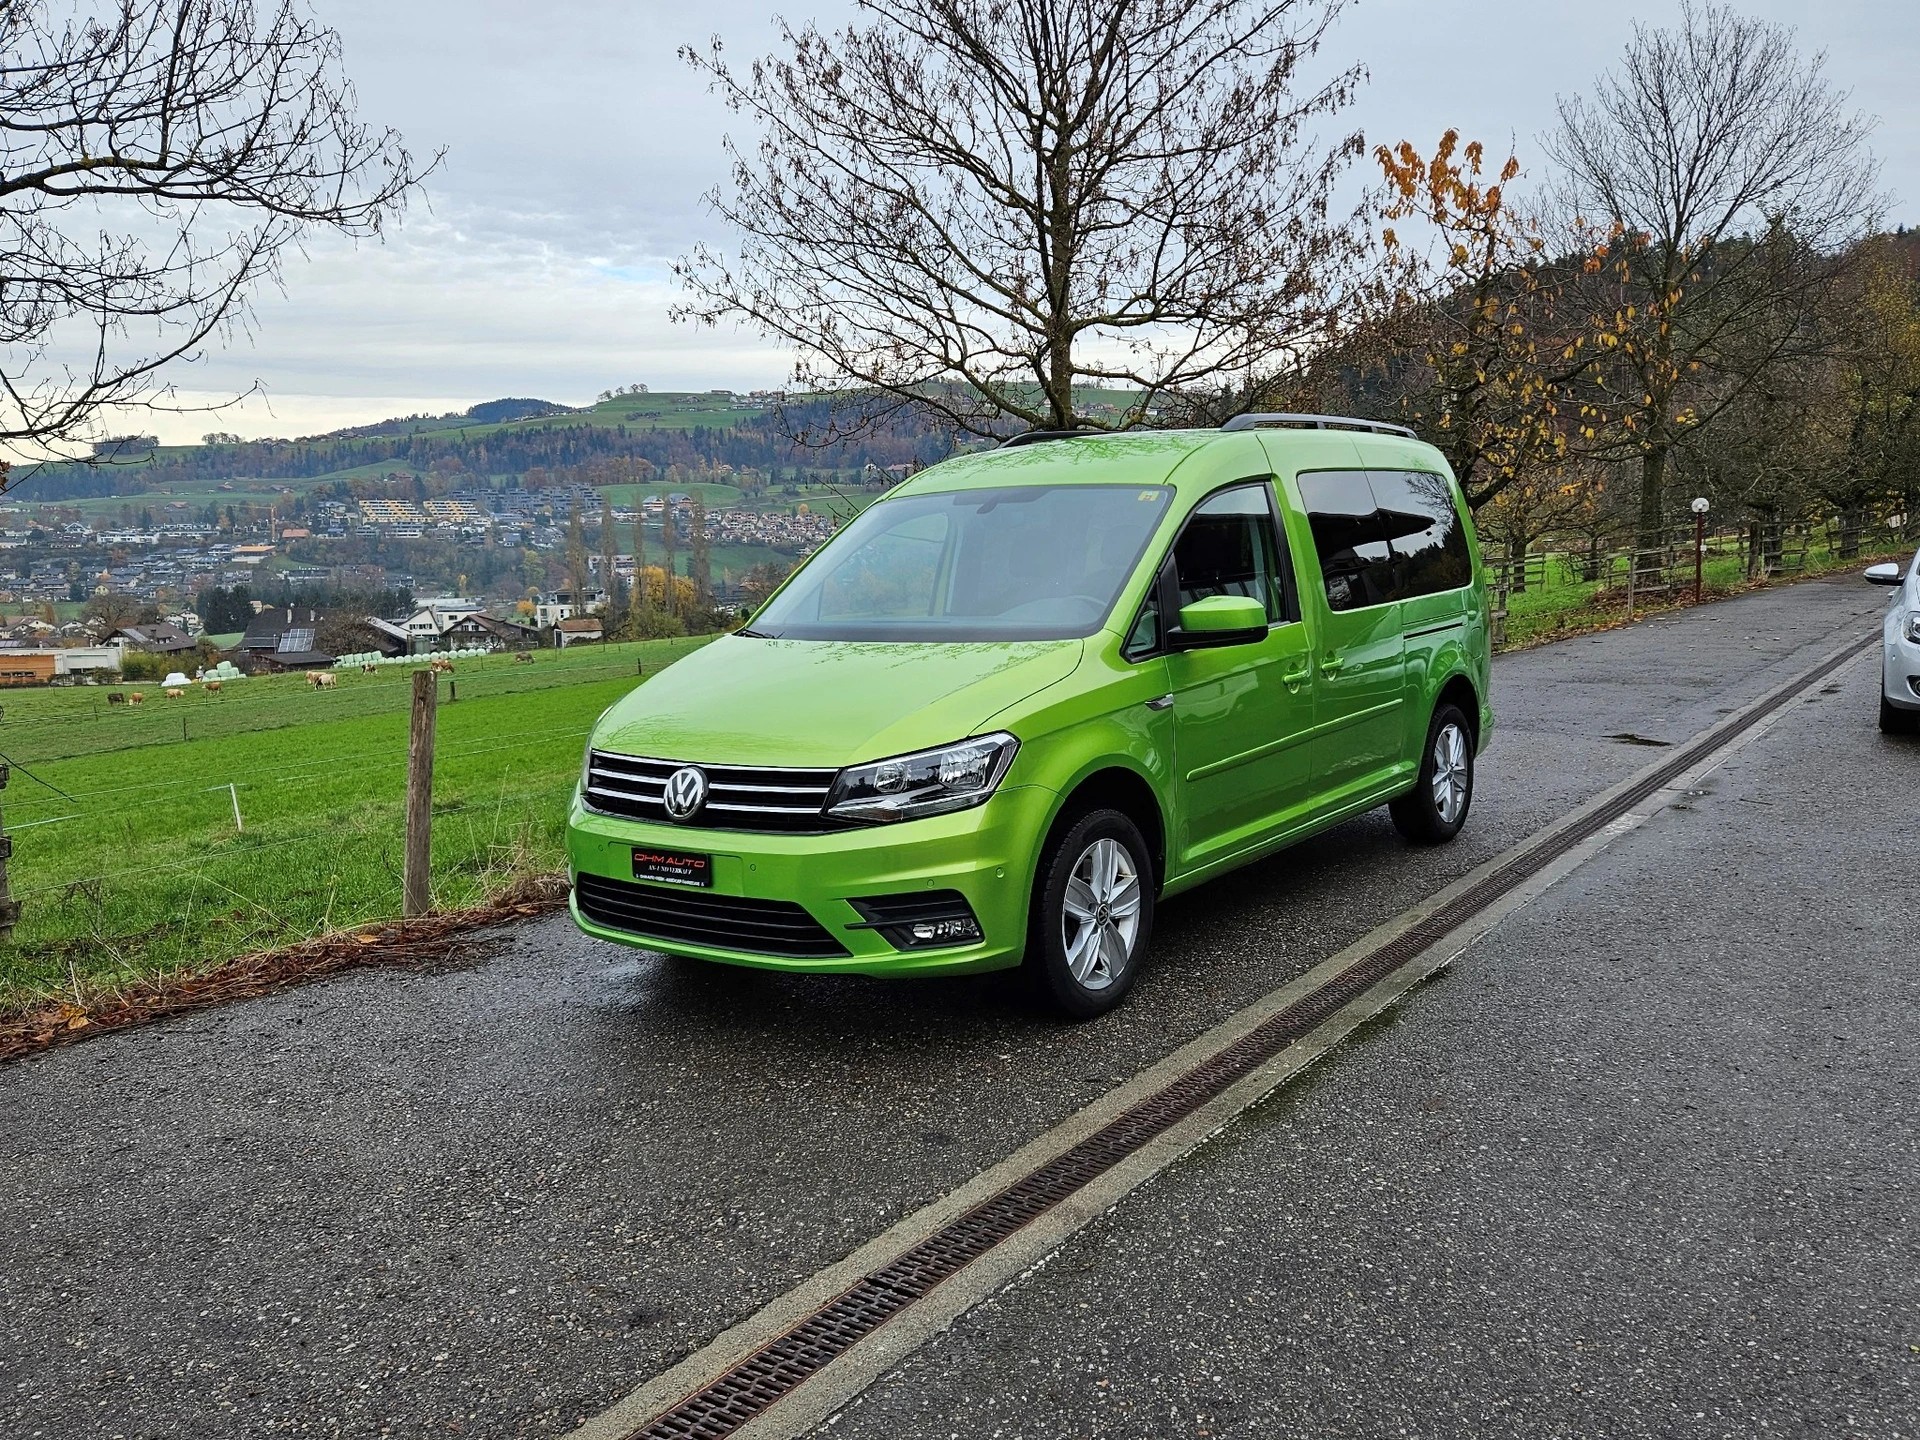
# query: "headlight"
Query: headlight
{"points": [[1913, 627], [928, 782]]}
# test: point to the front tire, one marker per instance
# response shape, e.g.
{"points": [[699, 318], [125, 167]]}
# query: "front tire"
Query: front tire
{"points": [[1092, 915], [1432, 812], [1893, 719]]}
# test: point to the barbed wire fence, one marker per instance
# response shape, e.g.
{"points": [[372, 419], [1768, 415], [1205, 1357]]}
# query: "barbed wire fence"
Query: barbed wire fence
{"points": [[276, 812]]}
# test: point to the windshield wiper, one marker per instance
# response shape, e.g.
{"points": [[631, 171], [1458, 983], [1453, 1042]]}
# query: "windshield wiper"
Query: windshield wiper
{"points": [[753, 634]]}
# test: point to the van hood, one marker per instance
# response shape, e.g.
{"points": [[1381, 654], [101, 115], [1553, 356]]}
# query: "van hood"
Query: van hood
{"points": [[826, 703]]}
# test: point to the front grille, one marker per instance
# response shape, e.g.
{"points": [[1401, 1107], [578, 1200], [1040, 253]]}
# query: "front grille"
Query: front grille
{"points": [[695, 917], [740, 797]]}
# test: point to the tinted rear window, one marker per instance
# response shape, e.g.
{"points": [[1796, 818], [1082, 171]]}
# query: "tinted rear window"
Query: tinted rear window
{"points": [[1429, 542], [1356, 561]]}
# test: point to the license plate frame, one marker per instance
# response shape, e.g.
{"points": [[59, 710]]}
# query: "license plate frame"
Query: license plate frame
{"points": [[684, 868]]}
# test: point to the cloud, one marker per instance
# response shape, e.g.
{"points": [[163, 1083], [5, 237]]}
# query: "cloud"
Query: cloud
{"points": [[578, 150]]}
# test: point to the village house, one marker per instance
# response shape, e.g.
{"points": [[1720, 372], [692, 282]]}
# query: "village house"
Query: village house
{"points": [[487, 632], [549, 610], [159, 638], [576, 630], [283, 639]]}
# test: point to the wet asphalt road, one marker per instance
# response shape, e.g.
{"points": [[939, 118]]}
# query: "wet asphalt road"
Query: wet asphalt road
{"points": [[488, 1201], [1645, 1163]]}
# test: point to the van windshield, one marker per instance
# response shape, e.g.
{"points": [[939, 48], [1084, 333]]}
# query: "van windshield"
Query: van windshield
{"points": [[1029, 562]]}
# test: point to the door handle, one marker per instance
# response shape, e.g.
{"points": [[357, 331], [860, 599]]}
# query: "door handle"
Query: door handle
{"points": [[1293, 679], [1331, 664], [1160, 702]]}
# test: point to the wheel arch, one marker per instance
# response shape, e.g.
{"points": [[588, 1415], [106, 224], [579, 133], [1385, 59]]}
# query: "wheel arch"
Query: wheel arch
{"points": [[1459, 690], [1113, 786]]}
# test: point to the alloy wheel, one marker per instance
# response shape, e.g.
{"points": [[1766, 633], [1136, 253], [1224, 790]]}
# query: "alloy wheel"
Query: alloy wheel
{"points": [[1451, 773], [1100, 919]]}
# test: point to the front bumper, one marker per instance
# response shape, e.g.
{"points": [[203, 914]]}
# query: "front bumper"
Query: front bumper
{"points": [[987, 854], [1900, 665]]}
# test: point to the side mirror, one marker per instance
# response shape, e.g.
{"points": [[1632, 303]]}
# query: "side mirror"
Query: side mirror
{"points": [[1888, 574], [1220, 620]]}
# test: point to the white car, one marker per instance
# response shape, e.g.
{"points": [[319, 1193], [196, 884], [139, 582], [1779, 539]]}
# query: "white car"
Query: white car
{"points": [[1900, 655]]}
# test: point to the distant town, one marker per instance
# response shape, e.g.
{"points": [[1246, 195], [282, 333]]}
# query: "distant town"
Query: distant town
{"points": [[513, 524]]}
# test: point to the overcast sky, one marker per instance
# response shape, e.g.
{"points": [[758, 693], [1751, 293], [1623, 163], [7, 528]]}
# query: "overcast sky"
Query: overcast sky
{"points": [[578, 149]]}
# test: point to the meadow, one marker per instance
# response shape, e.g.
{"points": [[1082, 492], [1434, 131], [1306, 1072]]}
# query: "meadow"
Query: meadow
{"points": [[1558, 603], [128, 859]]}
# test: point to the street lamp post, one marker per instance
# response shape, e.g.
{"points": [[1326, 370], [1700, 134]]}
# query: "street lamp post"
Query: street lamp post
{"points": [[1699, 544]]}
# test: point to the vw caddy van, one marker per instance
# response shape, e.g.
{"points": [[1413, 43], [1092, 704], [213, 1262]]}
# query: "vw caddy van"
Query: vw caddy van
{"points": [[1032, 691]]}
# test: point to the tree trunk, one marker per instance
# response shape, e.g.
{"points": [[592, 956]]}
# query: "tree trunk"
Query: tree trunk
{"points": [[1517, 565], [1853, 525], [1653, 478], [1771, 542]]}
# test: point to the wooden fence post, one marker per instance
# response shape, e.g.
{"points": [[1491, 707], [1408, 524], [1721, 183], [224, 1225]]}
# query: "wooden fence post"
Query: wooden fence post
{"points": [[9, 907], [418, 874]]}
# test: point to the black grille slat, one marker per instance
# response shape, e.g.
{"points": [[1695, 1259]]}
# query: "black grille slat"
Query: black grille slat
{"points": [[741, 797], [720, 922]]}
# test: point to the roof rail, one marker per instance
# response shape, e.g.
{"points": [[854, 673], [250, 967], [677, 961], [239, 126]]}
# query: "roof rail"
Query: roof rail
{"points": [[1276, 420], [1034, 437]]}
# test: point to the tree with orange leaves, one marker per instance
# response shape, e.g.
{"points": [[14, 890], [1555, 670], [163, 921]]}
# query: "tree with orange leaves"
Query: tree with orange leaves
{"points": [[1473, 361]]}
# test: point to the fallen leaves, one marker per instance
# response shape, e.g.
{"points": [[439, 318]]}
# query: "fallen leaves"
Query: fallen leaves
{"points": [[407, 943]]}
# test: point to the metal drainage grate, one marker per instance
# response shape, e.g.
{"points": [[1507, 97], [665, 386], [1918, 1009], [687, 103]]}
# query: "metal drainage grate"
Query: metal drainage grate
{"points": [[756, 1383]]}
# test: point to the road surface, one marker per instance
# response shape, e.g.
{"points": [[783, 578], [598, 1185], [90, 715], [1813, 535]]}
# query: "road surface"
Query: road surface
{"points": [[1641, 1164]]}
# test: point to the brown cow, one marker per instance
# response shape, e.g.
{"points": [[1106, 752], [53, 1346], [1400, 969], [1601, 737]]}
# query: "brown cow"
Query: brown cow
{"points": [[175, 694], [135, 698], [321, 679], [525, 657], [213, 687]]}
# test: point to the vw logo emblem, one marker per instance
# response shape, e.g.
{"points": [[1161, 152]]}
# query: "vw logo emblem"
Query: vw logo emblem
{"points": [[686, 792]]}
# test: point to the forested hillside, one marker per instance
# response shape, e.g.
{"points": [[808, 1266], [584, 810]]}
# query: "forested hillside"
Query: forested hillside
{"points": [[696, 433]]}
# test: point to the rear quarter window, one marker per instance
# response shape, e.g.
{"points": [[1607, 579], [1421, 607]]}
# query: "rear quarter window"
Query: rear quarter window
{"points": [[1425, 531], [1356, 560]]}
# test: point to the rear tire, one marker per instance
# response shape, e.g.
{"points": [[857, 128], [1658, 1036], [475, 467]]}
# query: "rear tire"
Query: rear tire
{"points": [[1432, 812], [1092, 915]]}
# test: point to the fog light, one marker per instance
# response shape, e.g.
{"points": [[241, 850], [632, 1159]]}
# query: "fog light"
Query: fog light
{"points": [[920, 920], [943, 932]]}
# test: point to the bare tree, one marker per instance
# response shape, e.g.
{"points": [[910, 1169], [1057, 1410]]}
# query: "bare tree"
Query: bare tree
{"points": [[1726, 182], [974, 206], [1877, 314], [157, 158]]}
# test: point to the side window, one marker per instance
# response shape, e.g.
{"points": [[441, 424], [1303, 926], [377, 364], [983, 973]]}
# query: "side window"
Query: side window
{"points": [[1230, 547], [893, 575], [1355, 559], [1144, 638], [1429, 542]]}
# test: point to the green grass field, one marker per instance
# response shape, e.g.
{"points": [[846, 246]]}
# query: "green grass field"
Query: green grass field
{"points": [[1561, 603], [126, 853], [713, 495]]}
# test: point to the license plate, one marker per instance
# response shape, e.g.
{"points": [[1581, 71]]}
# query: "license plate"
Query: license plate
{"points": [[672, 867]]}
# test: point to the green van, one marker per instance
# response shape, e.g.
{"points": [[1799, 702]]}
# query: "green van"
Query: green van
{"points": [[1032, 691]]}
